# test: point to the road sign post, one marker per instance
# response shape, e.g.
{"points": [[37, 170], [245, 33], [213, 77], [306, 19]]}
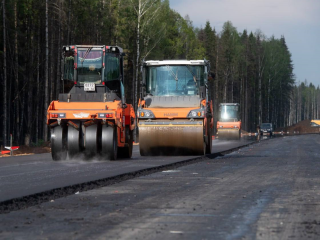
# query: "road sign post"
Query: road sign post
{"points": [[11, 151], [10, 148]]}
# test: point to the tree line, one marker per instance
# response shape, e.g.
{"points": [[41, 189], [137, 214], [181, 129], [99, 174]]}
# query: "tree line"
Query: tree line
{"points": [[305, 102], [250, 68]]}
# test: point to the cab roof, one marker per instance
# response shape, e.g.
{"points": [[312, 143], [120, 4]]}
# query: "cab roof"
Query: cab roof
{"points": [[175, 62], [229, 104]]}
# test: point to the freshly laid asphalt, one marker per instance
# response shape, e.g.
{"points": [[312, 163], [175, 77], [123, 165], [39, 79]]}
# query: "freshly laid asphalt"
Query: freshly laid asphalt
{"points": [[25, 175], [267, 190]]}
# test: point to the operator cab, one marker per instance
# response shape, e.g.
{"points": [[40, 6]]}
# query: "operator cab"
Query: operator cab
{"points": [[92, 73], [181, 81], [229, 112]]}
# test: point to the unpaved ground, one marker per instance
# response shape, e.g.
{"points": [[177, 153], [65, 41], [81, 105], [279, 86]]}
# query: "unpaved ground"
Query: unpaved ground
{"points": [[302, 127]]}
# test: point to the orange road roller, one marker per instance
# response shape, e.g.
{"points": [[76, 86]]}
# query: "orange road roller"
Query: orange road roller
{"points": [[93, 117], [175, 114], [229, 124]]}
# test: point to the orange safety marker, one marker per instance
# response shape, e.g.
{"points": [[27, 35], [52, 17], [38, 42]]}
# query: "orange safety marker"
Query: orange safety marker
{"points": [[4, 152]]}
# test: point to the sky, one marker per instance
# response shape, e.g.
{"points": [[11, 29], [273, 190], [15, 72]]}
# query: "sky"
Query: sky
{"points": [[297, 20]]}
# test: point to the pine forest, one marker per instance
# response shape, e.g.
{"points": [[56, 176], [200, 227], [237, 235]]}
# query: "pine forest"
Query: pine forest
{"points": [[250, 68]]}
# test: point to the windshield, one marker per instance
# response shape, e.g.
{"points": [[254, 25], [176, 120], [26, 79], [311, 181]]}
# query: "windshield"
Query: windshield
{"points": [[174, 80], [89, 65], [228, 112], [266, 125]]}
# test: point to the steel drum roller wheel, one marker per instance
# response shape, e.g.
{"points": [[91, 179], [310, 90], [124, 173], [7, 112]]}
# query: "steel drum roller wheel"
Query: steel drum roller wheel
{"points": [[73, 141], [91, 140], [109, 143], [231, 134], [171, 140], [59, 143]]}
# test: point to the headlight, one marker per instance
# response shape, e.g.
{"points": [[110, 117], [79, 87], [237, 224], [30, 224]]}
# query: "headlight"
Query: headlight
{"points": [[197, 113], [145, 113]]}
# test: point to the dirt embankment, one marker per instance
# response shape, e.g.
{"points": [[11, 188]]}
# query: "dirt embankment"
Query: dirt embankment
{"points": [[302, 127], [24, 150]]}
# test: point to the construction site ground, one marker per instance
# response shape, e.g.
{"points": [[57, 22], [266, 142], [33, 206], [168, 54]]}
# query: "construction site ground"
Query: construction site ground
{"points": [[302, 127], [267, 189]]}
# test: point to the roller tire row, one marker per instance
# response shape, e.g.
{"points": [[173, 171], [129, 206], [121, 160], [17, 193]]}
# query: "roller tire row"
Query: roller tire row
{"points": [[98, 141]]}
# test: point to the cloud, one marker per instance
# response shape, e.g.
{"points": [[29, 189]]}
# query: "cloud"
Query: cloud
{"points": [[250, 13], [297, 20]]}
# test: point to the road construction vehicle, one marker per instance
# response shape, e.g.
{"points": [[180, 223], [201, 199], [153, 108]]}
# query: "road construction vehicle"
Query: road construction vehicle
{"points": [[315, 123], [229, 124], [93, 117], [266, 129], [175, 114]]}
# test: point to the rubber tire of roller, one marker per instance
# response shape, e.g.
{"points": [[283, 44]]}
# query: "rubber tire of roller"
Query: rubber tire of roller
{"points": [[109, 142], [73, 141], [91, 140], [126, 152], [59, 143], [209, 144]]}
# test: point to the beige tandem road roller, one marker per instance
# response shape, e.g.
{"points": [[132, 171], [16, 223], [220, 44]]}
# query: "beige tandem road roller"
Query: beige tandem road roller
{"points": [[175, 114], [229, 124]]}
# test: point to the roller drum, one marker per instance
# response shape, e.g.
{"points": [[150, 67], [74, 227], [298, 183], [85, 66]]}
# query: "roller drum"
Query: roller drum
{"points": [[59, 143], [229, 134], [171, 140]]}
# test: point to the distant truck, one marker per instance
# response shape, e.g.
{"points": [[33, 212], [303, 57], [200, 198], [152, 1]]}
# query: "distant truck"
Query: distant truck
{"points": [[266, 129]]}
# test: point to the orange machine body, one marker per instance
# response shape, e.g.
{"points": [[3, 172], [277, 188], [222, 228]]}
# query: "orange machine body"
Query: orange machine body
{"points": [[88, 112], [229, 125], [175, 113]]}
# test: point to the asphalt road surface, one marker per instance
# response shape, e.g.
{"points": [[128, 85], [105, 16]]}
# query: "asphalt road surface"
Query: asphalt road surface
{"points": [[25, 175], [267, 190]]}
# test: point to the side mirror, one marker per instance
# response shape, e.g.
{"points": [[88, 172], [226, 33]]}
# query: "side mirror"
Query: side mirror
{"points": [[211, 76]]}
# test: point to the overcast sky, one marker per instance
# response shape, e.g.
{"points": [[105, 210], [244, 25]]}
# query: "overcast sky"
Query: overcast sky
{"points": [[297, 20]]}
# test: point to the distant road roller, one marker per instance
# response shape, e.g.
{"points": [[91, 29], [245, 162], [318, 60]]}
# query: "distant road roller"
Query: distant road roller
{"points": [[93, 117], [175, 114], [229, 124]]}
